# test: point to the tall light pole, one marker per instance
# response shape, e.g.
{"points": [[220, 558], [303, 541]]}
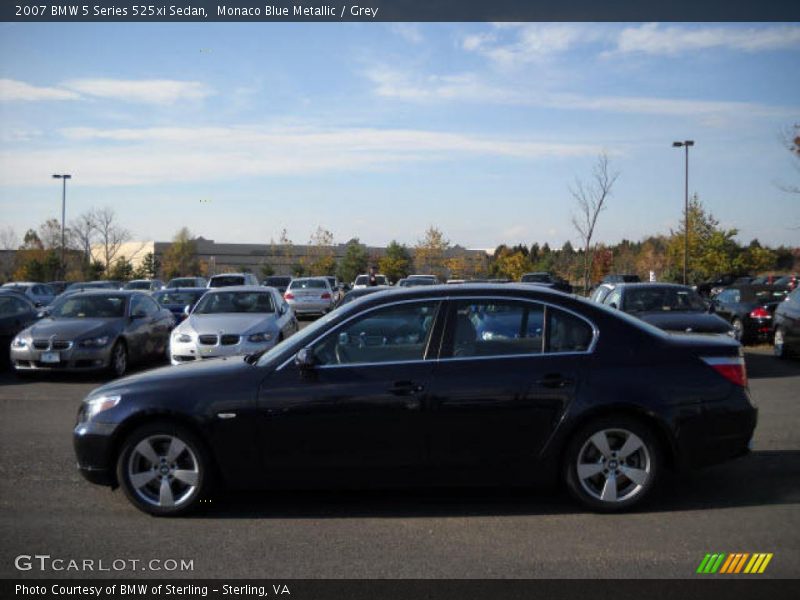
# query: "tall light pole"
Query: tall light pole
{"points": [[63, 177], [685, 144]]}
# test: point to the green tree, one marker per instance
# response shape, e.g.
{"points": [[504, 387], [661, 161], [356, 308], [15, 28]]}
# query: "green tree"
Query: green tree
{"points": [[180, 259], [430, 253], [121, 270], [354, 262], [396, 263], [267, 270], [322, 259]]}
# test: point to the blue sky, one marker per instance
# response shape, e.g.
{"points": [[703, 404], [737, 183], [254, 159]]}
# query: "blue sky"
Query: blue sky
{"points": [[377, 131]]}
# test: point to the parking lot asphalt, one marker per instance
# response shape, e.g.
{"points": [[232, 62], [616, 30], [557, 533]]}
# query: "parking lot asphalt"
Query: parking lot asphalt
{"points": [[750, 505]]}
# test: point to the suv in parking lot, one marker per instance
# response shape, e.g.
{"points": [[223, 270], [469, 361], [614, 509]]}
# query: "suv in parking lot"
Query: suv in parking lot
{"points": [[230, 279]]}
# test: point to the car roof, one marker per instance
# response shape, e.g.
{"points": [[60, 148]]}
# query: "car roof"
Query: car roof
{"points": [[106, 292], [647, 284], [188, 288], [230, 275]]}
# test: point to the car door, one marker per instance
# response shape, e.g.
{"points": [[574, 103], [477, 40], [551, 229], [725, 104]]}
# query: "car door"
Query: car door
{"points": [[508, 370], [139, 329], [359, 408], [160, 324], [726, 304]]}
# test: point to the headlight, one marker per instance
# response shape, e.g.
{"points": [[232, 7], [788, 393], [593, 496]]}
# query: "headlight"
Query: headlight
{"points": [[182, 337], [260, 337], [95, 406], [97, 342], [19, 343]]}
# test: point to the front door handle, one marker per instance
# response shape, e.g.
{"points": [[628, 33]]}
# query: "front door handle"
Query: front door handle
{"points": [[406, 388], [554, 380]]}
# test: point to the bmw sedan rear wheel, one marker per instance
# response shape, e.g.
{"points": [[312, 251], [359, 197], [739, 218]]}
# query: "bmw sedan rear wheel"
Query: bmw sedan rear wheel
{"points": [[612, 464], [164, 469]]}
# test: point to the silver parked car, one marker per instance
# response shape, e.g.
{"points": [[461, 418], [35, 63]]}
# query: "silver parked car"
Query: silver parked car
{"points": [[93, 330], [310, 295], [229, 321], [40, 294]]}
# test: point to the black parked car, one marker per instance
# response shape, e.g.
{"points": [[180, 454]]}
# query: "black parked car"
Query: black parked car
{"points": [[621, 278], [358, 293], [548, 280], [16, 313], [750, 308], [94, 330], [671, 307], [279, 282], [177, 299], [400, 387], [787, 326], [713, 287]]}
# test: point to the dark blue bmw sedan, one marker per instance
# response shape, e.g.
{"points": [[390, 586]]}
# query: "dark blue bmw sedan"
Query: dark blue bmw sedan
{"points": [[415, 386]]}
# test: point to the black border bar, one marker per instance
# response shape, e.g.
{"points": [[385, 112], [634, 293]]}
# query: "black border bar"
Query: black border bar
{"points": [[743, 587], [400, 10]]}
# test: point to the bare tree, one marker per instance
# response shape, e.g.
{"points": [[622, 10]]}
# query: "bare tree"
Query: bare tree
{"points": [[83, 232], [8, 238], [110, 235], [590, 198]]}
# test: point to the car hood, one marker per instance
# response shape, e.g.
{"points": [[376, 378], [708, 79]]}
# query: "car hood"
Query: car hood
{"points": [[72, 328], [692, 322], [183, 377], [227, 323]]}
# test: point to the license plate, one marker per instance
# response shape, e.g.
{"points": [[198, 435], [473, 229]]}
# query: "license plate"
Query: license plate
{"points": [[50, 357]]}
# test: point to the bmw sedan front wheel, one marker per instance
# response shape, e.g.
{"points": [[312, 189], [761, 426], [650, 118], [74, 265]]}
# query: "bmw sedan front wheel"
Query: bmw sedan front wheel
{"points": [[612, 464], [164, 469]]}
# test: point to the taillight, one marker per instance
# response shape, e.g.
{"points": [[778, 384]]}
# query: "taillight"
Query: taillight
{"points": [[760, 313], [288, 296], [731, 368], [325, 296]]}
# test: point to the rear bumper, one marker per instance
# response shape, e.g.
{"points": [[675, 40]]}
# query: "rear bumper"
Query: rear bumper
{"points": [[721, 432]]}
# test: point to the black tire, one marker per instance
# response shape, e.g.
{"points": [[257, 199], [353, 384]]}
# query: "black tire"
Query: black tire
{"points": [[191, 459], [627, 481], [118, 363]]}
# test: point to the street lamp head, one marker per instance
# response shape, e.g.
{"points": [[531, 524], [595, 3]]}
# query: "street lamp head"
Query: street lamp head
{"points": [[674, 145], [65, 176], [686, 143]]}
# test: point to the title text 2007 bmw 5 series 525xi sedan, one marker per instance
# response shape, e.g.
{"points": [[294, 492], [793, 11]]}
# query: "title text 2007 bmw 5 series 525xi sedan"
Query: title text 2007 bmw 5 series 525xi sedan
{"points": [[483, 384]]}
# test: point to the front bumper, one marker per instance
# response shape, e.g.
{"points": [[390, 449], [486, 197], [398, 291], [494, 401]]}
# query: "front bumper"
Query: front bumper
{"points": [[182, 352], [93, 444], [74, 358]]}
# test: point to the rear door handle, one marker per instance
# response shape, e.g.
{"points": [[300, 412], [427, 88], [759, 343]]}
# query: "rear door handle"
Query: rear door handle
{"points": [[554, 380]]}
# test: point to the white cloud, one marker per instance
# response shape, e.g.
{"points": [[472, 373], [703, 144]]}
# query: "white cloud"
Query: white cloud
{"points": [[652, 38], [12, 90], [410, 32], [148, 91], [167, 155], [529, 43], [471, 88]]}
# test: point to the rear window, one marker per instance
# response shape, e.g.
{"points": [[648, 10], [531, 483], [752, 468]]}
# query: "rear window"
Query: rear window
{"points": [[226, 281], [308, 284], [138, 285], [277, 281]]}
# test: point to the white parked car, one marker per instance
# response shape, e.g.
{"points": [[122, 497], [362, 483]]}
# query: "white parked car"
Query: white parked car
{"points": [[309, 295], [232, 321], [362, 281]]}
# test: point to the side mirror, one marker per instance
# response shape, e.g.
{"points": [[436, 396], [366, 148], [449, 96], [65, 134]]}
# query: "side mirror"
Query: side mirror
{"points": [[613, 305], [304, 359], [138, 315], [187, 309], [43, 313], [282, 309]]}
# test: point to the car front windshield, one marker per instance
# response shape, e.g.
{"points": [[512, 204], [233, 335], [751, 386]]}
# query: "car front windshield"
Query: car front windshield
{"points": [[235, 302], [184, 282], [90, 307], [226, 281], [663, 299], [138, 285]]}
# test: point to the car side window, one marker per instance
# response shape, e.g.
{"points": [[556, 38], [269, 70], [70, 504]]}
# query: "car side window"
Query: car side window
{"points": [[137, 306], [567, 333], [389, 334], [12, 306], [150, 307], [497, 328]]}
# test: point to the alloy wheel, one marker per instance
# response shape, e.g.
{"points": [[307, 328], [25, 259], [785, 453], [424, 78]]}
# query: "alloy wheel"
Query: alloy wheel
{"points": [[614, 465], [163, 471]]}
